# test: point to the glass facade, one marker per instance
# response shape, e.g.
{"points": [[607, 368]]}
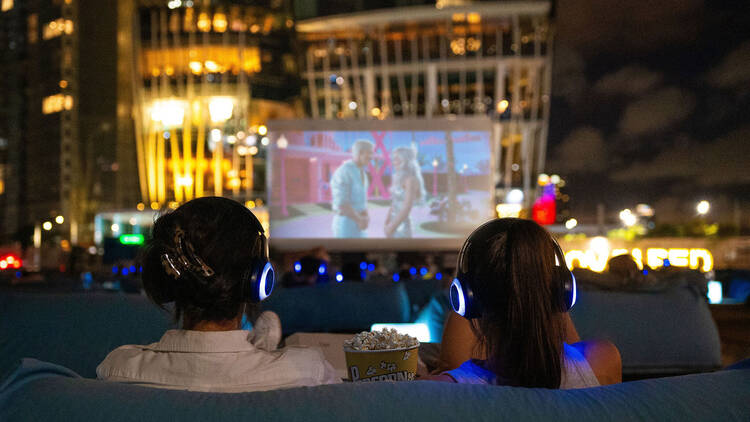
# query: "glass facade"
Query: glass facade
{"points": [[207, 76]]}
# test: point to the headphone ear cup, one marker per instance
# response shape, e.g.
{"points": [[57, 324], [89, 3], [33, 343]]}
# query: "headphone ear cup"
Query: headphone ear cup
{"points": [[566, 282], [262, 281], [462, 299]]}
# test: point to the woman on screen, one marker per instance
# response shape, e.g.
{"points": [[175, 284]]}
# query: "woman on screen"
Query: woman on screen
{"points": [[407, 189]]}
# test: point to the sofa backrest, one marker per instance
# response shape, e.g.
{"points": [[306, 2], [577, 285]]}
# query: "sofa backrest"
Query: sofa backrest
{"points": [[338, 307], [669, 331], [39, 392], [76, 330]]}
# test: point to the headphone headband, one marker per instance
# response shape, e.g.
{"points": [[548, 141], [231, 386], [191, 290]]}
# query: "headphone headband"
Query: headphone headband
{"points": [[461, 293]]}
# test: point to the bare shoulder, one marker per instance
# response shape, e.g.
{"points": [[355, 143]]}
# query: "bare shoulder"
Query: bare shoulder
{"points": [[437, 377], [604, 359]]}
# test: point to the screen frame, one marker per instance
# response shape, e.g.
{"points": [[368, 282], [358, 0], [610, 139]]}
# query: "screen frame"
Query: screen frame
{"points": [[452, 123]]}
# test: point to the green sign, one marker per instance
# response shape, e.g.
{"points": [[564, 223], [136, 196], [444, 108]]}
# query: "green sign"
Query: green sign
{"points": [[131, 239]]}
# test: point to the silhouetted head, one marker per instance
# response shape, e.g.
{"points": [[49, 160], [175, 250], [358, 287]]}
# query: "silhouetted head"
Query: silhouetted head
{"points": [[210, 244]]}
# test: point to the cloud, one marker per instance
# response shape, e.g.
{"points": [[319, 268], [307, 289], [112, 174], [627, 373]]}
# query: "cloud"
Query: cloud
{"points": [[630, 80], [628, 26], [734, 69], [656, 111], [721, 162], [568, 78], [582, 151]]}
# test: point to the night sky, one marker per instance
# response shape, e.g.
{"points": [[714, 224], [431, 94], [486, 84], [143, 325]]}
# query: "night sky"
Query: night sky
{"points": [[650, 104]]}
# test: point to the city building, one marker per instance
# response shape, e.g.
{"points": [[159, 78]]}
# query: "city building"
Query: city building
{"points": [[428, 60], [204, 77], [57, 115], [143, 105]]}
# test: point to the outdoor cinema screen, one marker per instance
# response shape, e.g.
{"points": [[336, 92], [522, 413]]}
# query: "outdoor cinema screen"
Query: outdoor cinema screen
{"points": [[376, 179]]}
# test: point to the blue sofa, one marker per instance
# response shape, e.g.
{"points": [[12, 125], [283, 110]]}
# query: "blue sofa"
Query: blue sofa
{"points": [[77, 330], [42, 391], [658, 333]]}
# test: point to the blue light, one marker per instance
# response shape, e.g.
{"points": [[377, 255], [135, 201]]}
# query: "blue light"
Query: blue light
{"points": [[439, 276], [115, 270], [667, 263], [124, 271], [339, 277], [166, 135], [363, 275], [371, 267], [322, 269], [132, 269], [297, 267], [363, 265], [423, 271], [413, 271], [19, 274], [396, 278], [140, 269], [645, 271]]}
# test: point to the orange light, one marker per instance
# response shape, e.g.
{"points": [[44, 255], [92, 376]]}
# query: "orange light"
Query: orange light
{"points": [[17, 264]]}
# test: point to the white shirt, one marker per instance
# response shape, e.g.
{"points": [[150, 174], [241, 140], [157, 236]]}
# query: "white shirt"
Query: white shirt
{"points": [[215, 361]]}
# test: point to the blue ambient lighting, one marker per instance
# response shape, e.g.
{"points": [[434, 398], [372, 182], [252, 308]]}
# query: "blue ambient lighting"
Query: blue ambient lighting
{"points": [[396, 278]]}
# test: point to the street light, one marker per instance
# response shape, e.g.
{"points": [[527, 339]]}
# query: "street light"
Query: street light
{"points": [[59, 219], [571, 223], [703, 207], [47, 225], [628, 218]]}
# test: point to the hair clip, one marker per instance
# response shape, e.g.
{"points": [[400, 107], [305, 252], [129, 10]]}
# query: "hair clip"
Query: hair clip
{"points": [[169, 266], [183, 245]]}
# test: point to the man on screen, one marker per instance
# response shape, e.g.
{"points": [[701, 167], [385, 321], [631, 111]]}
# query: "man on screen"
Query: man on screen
{"points": [[349, 189]]}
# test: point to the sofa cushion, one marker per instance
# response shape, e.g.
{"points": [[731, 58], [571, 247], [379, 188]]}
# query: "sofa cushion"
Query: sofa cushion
{"points": [[338, 307], [39, 391], [661, 332], [76, 330]]}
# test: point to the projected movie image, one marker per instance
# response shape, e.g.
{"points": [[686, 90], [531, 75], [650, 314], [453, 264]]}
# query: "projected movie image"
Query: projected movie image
{"points": [[366, 184]]}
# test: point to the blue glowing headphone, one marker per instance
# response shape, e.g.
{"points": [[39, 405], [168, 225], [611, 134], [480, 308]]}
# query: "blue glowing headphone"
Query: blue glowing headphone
{"points": [[260, 276], [462, 297]]}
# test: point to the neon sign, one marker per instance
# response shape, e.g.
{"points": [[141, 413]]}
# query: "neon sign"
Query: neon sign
{"points": [[595, 259]]}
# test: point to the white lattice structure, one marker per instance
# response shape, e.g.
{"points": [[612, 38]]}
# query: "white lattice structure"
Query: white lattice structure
{"points": [[488, 58]]}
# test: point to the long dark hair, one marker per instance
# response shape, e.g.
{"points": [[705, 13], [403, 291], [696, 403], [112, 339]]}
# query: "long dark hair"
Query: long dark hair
{"points": [[225, 236], [520, 330]]}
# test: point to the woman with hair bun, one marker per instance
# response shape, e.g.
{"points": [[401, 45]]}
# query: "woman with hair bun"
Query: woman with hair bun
{"points": [[209, 259], [511, 324]]}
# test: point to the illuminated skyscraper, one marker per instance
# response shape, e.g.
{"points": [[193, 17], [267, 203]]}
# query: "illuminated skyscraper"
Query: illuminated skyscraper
{"points": [[205, 77], [57, 102], [427, 59]]}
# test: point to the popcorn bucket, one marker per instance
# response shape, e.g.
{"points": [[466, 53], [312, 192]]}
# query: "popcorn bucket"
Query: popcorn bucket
{"points": [[382, 365]]}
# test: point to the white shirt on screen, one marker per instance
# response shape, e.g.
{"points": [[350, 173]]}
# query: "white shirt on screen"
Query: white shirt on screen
{"points": [[215, 361]]}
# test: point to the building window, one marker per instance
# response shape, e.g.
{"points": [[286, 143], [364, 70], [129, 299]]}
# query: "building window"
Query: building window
{"points": [[6, 5], [33, 24], [57, 27], [56, 103]]}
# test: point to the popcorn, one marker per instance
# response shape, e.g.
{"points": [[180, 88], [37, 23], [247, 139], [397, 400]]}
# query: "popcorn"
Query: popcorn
{"points": [[387, 339]]}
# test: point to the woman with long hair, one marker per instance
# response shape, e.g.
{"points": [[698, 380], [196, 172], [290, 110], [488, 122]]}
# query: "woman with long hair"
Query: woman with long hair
{"points": [[407, 189], [512, 295]]}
